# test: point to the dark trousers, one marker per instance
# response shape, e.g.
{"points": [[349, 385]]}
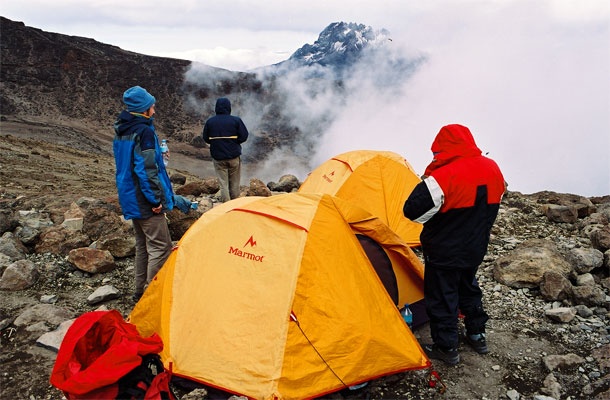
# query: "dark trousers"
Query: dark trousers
{"points": [[448, 292]]}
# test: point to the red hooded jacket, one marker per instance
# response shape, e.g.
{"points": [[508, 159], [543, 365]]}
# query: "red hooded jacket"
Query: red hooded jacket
{"points": [[457, 202]]}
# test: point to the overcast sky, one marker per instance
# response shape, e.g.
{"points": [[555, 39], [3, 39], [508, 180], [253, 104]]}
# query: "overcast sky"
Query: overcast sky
{"points": [[530, 78]]}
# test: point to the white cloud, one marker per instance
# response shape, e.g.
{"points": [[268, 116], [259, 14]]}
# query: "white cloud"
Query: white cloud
{"points": [[529, 78], [533, 89]]}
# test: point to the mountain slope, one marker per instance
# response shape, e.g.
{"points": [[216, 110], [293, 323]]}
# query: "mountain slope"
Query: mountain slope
{"points": [[62, 80], [55, 86]]}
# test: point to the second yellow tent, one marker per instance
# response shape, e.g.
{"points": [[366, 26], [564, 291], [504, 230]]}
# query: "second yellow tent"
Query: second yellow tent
{"points": [[378, 181]]}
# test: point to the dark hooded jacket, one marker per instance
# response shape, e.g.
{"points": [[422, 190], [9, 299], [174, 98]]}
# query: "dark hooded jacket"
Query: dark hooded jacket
{"points": [[457, 201], [224, 132], [141, 178]]}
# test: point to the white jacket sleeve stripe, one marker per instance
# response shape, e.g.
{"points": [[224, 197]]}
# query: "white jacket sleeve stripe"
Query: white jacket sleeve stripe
{"points": [[438, 197]]}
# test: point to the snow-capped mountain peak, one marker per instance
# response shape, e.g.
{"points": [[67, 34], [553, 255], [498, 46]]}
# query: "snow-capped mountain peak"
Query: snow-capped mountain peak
{"points": [[339, 45]]}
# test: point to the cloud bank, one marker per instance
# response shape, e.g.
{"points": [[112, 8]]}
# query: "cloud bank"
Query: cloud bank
{"points": [[533, 89]]}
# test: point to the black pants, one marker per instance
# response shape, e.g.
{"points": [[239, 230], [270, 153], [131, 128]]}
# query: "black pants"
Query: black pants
{"points": [[448, 292]]}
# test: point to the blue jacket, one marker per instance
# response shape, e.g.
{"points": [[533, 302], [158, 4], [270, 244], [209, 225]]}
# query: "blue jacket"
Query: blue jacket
{"points": [[141, 178], [224, 132]]}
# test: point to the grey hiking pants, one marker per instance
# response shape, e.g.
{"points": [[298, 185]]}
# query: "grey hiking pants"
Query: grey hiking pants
{"points": [[229, 176], [153, 246]]}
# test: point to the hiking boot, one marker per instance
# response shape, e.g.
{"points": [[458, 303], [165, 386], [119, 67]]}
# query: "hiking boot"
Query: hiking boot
{"points": [[477, 342], [449, 356]]}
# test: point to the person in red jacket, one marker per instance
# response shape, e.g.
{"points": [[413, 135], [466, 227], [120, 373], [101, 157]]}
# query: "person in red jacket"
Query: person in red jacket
{"points": [[457, 201]]}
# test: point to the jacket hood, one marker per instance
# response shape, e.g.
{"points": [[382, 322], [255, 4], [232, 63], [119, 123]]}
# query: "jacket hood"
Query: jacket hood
{"points": [[223, 106], [127, 120], [451, 142]]}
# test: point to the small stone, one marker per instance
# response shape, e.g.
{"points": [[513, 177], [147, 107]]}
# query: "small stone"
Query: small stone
{"points": [[49, 299]]}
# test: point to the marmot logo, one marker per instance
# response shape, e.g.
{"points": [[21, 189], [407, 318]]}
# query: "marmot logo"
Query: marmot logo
{"points": [[245, 254], [250, 242], [328, 178]]}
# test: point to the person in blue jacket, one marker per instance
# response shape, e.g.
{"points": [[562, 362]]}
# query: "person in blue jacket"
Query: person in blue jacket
{"points": [[143, 185], [225, 133]]}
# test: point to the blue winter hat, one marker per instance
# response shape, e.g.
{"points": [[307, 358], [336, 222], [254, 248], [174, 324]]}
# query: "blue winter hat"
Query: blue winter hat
{"points": [[137, 99]]}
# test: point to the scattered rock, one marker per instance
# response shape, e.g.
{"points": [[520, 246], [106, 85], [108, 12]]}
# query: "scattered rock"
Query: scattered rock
{"points": [[177, 178], [104, 293], [206, 186], [287, 184], [12, 247], [60, 240], [119, 246], [565, 214], [561, 314], [554, 286], [257, 188], [551, 386], [586, 259], [48, 313], [554, 362], [49, 299], [52, 340], [196, 394], [19, 275], [91, 260]]}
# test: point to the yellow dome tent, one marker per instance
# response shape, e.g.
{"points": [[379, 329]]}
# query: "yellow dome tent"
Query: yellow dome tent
{"points": [[274, 298], [378, 181]]}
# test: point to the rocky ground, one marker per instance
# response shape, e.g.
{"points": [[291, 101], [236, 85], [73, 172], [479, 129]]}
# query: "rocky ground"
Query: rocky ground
{"points": [[532, 355]]}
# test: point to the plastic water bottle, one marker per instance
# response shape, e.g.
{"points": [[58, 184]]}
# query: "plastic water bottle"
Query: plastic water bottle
{"points": [[407, 315], [165, 152], [358, 386]]}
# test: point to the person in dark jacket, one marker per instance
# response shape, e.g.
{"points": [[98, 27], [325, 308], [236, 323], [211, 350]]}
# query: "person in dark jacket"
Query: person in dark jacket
{"points": [[457, 201], [225, 133], [143, 185]]}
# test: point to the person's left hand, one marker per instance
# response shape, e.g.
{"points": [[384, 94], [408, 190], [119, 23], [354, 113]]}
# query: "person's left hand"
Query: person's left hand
{"points": [[157, 210]]}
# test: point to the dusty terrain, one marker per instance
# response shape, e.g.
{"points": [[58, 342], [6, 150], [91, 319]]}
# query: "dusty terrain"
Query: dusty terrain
{"points": [[46, 174]]}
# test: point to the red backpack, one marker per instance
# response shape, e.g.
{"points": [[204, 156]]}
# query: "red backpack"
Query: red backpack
{"points": [[104, 357]]}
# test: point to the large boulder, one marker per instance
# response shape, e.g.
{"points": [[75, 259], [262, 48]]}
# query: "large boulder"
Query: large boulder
{"points": [[19, 275], [257, 188], [92, 260], [60, 240], [198, 188], [525, 266], [561, 214], [586, 259], [102, 221], [287, 183], [600, 238], [119, 245], [567, 203]]}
